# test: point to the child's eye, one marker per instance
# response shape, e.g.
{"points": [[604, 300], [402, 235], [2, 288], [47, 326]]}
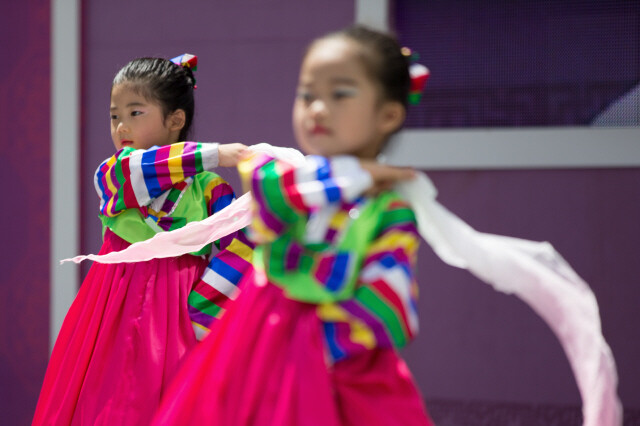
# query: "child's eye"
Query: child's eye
{"points": [[343, 93], [135, 113], [114, 117], [306, 97]]}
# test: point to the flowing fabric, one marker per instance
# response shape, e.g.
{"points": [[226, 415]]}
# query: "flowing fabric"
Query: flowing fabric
{"points": [[190, 238], [539, 276], [533, 271], [121, 342]]}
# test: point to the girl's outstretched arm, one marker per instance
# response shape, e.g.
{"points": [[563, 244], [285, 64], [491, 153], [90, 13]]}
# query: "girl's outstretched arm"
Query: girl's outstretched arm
{"points": [[284, 193], [384, 177], [133, 178]]}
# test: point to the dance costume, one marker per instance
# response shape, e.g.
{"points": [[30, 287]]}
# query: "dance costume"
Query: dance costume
{"points": [[130, 324], [312, 339]]}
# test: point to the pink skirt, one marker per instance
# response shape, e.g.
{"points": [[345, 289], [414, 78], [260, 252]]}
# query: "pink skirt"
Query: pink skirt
{"points": [[121, 342], [264, 364]]}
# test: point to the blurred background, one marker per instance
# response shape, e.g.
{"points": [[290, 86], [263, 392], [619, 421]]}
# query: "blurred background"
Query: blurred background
{"points": [[528, 127]]}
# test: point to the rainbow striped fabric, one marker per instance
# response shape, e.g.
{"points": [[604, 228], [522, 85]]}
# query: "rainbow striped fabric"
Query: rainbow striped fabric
{"points": [[323, 243], [170, 186], [133, 178]]}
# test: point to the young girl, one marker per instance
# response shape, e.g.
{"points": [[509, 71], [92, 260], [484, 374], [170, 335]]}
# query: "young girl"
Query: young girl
{"points": [[333, 289], [129, 326], [313, 338]]}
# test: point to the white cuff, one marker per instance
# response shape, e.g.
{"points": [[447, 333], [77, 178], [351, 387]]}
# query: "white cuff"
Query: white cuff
{"points": [[210, 155], [350, 177]]}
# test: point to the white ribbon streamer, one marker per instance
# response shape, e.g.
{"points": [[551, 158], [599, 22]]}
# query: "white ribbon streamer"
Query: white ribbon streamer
{"points": [[539, 276], [190, 238], [533, 271]]}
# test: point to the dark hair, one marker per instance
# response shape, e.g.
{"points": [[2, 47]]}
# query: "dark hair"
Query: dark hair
{"points": [[163, 81], [382, 58]]}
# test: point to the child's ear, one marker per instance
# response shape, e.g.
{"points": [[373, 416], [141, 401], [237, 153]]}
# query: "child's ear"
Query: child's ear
{"points": [[392, 115], [176, 120]]}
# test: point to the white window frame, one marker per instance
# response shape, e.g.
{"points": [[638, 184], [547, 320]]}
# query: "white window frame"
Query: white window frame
{"points": [[505, 148], [65, 183]]}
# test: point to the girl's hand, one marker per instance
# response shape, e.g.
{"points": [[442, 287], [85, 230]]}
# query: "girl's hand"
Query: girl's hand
{"points": [[229, 154], [384, 176]]}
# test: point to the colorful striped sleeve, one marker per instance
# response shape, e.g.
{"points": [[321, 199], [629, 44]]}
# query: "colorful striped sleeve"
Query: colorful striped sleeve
{"points": [[283, 193], [131, 178], [383, 312], [221, 278]]}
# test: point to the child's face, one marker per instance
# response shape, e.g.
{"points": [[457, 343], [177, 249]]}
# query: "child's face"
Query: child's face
{"points": [[136, 121], [337, 107]]}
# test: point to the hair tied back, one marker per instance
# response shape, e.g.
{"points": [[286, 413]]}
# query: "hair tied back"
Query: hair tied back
{"points": [[190, 64], [419, 75]]}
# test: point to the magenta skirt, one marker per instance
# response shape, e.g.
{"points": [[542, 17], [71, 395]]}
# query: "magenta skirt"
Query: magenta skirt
{"points": [[121, 342], [264, 364]]}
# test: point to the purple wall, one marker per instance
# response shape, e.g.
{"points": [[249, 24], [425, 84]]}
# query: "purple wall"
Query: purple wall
{"points": [[531, 63], [24, 281]]}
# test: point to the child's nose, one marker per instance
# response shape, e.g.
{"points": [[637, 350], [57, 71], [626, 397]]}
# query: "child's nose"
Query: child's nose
{"points": [[122, 127], [318, 108]]}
